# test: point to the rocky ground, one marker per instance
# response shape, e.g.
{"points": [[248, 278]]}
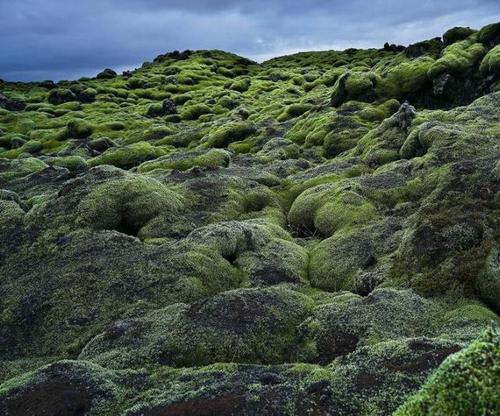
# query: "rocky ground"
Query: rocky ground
{"points": [[206, 235]]}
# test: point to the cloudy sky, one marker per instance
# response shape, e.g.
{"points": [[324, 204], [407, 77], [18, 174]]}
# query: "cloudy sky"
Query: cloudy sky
{"points": [[66, 39]]}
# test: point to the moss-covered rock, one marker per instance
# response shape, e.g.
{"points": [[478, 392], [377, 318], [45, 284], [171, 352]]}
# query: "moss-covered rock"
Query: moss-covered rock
{"points": [[88, 95], [457, 59], [491, 62], [406, 79], [66, 387], [60, 96], [240, 85], [465, 384], [342, 326], [127, 205], [353, 86], [490, 34], [128, 156], [456, 34], [107, 73], [488, 282], [79, 129], [330, 207], [294, 110], [187, 160], [239, 326], [229, 133], [195, 111], [167, 107]]}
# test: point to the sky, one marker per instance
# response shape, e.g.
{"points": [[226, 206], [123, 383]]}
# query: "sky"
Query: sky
{"points": [[68, 39]]}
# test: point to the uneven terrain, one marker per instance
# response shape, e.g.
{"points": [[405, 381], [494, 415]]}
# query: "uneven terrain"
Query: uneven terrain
{"points": [[314, 235]]}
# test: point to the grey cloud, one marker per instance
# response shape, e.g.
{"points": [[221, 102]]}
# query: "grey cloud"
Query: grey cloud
{"points": [[61, 39]]}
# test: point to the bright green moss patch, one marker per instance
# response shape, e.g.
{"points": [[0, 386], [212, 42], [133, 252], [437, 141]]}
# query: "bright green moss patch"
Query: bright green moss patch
{"points": [[353, 86], [128, 156], [465, 384], [69, 162], [229, 133], [491, 62], [183, 161], [405, 78], [328, 208], [22, 167], [194, 111], [294, 110], [240, 85], [128, 205], [457, 59]]}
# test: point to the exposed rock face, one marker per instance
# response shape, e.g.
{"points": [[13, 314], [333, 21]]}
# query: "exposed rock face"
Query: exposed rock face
{"points": [[208, 235], [405, 115]]}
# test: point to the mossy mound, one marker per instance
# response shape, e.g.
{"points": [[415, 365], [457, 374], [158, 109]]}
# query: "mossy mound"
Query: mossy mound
{"points": [[227, 134], [128, 156], [187, 160], [128, 205], [246, 325], [466, 383], [66, 387], [345, 324]]}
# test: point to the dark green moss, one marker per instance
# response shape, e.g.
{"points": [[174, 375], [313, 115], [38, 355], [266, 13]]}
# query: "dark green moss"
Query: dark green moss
{"points": [[79, 129]]}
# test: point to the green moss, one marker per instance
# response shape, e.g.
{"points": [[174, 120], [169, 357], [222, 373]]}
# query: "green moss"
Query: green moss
{"points": [[293, 111], [90, 386], [353, 86], [405, 78], [382, 144], [456, 34], [128, 156], [465, 384], [377, 379], [336, 261], [128, 205], [489, 33], [60, 95], [335, 255], [229, 133], [488, 281], [491, 62], [240, 85], [358, 83], [457, 59], [205, 332], [329, 208], [79, 129], [22, 167], [245, 146], [111, 126], [184, 161], [195, 111], [69, 162], [155, 110]]}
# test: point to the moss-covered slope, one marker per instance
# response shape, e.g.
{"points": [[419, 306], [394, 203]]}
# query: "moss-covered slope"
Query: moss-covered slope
{"points": [[207, 235]]}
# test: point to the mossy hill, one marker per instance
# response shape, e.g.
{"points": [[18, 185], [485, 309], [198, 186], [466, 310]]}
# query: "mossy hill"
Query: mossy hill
{"points": [[318, 234]]}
